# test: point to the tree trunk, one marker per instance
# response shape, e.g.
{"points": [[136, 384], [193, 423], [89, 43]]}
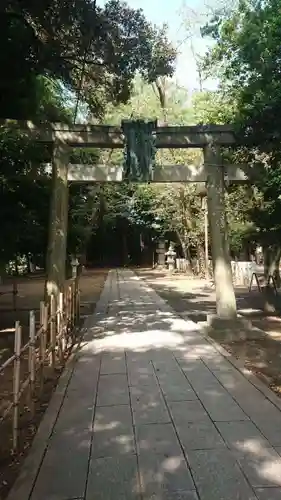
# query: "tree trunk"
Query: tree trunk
{"points": [[186, 253], [28, 263], [56, 253], [16, 265], [201, 258], [272, 255]]}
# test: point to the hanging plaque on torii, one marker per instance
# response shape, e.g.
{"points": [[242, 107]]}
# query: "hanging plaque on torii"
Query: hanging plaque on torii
{"points": [[140, 150]]}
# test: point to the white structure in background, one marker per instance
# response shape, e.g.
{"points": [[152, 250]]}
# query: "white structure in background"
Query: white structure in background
{"points": [[171, 258], [242, 272]]}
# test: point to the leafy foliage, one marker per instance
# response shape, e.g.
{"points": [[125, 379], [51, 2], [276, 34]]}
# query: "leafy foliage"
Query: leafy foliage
{"points": [[94, 51]]}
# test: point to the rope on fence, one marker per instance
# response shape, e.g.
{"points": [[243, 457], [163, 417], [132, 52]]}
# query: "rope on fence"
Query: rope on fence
{"points": [[254, 275], [50, 343], [269, 279]]}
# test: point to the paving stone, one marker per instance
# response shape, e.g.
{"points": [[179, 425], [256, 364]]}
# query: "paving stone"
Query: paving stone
{"points": [[242, 435], [139, 359], [64, 471], [177, 392], [175, 386], [85, 375], [221, 407], [268, 493], [141, 377], [113, 390], [187, 411], [164, 473], [113, 432], [148, 405], [270, 429], [218, 477], [139, 393], [166, 364], [178, 495], [216, 362], [157, 438], [113, 363], [148, 412], [199, 436], [197, 373], [59, 497], [73, 417], [262, 466], [113, 478]]}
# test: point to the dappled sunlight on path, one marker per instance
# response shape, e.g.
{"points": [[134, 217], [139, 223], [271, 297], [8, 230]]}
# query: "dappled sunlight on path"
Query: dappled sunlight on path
{"points": [[152, 410]]}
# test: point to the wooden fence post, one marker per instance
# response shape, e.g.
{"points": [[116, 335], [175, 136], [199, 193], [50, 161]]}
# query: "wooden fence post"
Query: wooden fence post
{"points": [[42, 344], [45, 328], [60, 329], [69, 326], [53, 335], [78, 304], [73, 307], [32, 359], [16, 384]]}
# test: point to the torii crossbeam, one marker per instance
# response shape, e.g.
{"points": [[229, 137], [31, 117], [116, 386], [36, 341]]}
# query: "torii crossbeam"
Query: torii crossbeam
{"points": [[208, 137]]}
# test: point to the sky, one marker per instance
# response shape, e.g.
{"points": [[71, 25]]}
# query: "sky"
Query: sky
{"points": [[171, 12]]}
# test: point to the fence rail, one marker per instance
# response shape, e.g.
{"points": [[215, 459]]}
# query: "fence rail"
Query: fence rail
{"points": [[48, 343], [270, 279]]}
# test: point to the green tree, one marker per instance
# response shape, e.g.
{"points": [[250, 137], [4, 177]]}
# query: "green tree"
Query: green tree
{"points": [[246, 56], [94, 51]]}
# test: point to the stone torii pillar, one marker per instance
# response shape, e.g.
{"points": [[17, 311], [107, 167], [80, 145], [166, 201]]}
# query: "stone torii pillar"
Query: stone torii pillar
{"points": [[56, 253], [225, 296]]}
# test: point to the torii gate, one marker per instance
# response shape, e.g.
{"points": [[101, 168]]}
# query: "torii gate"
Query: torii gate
{"points": [[208, 137]]}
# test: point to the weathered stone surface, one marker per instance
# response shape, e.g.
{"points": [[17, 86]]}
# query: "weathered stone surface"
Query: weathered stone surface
{"points": [[218, 476], [270, 429], [188, 411], [64, 471], [148, 405], [112, 478], [178, 495], [199, 436], [113, 363], [175, 386], [157, 438], [262, 466], [242, 435], [268, 493], [113, 432], [113, 390], [164, 473]]}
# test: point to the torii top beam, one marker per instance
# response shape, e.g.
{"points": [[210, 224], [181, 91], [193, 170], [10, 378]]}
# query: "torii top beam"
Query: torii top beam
{"points": [[106, 136]]}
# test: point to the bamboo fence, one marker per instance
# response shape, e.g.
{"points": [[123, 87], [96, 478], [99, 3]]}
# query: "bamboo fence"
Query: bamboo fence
{"points": [[48, 345]]}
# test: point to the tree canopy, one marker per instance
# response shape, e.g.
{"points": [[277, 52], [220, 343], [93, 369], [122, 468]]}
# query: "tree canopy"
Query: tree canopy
{"points": [[91, 50]]}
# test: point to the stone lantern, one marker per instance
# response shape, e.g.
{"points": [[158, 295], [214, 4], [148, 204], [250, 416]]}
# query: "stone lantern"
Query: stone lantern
{"points": [[171, 258], [74, 266], [161, 253]]}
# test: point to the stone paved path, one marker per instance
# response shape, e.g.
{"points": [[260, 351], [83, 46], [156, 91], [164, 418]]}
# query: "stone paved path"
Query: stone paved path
{"points": [[152, 410]]}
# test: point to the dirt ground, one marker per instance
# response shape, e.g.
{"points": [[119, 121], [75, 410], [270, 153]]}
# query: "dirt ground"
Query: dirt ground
{"points": [[30, 293], [194, 299]]}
